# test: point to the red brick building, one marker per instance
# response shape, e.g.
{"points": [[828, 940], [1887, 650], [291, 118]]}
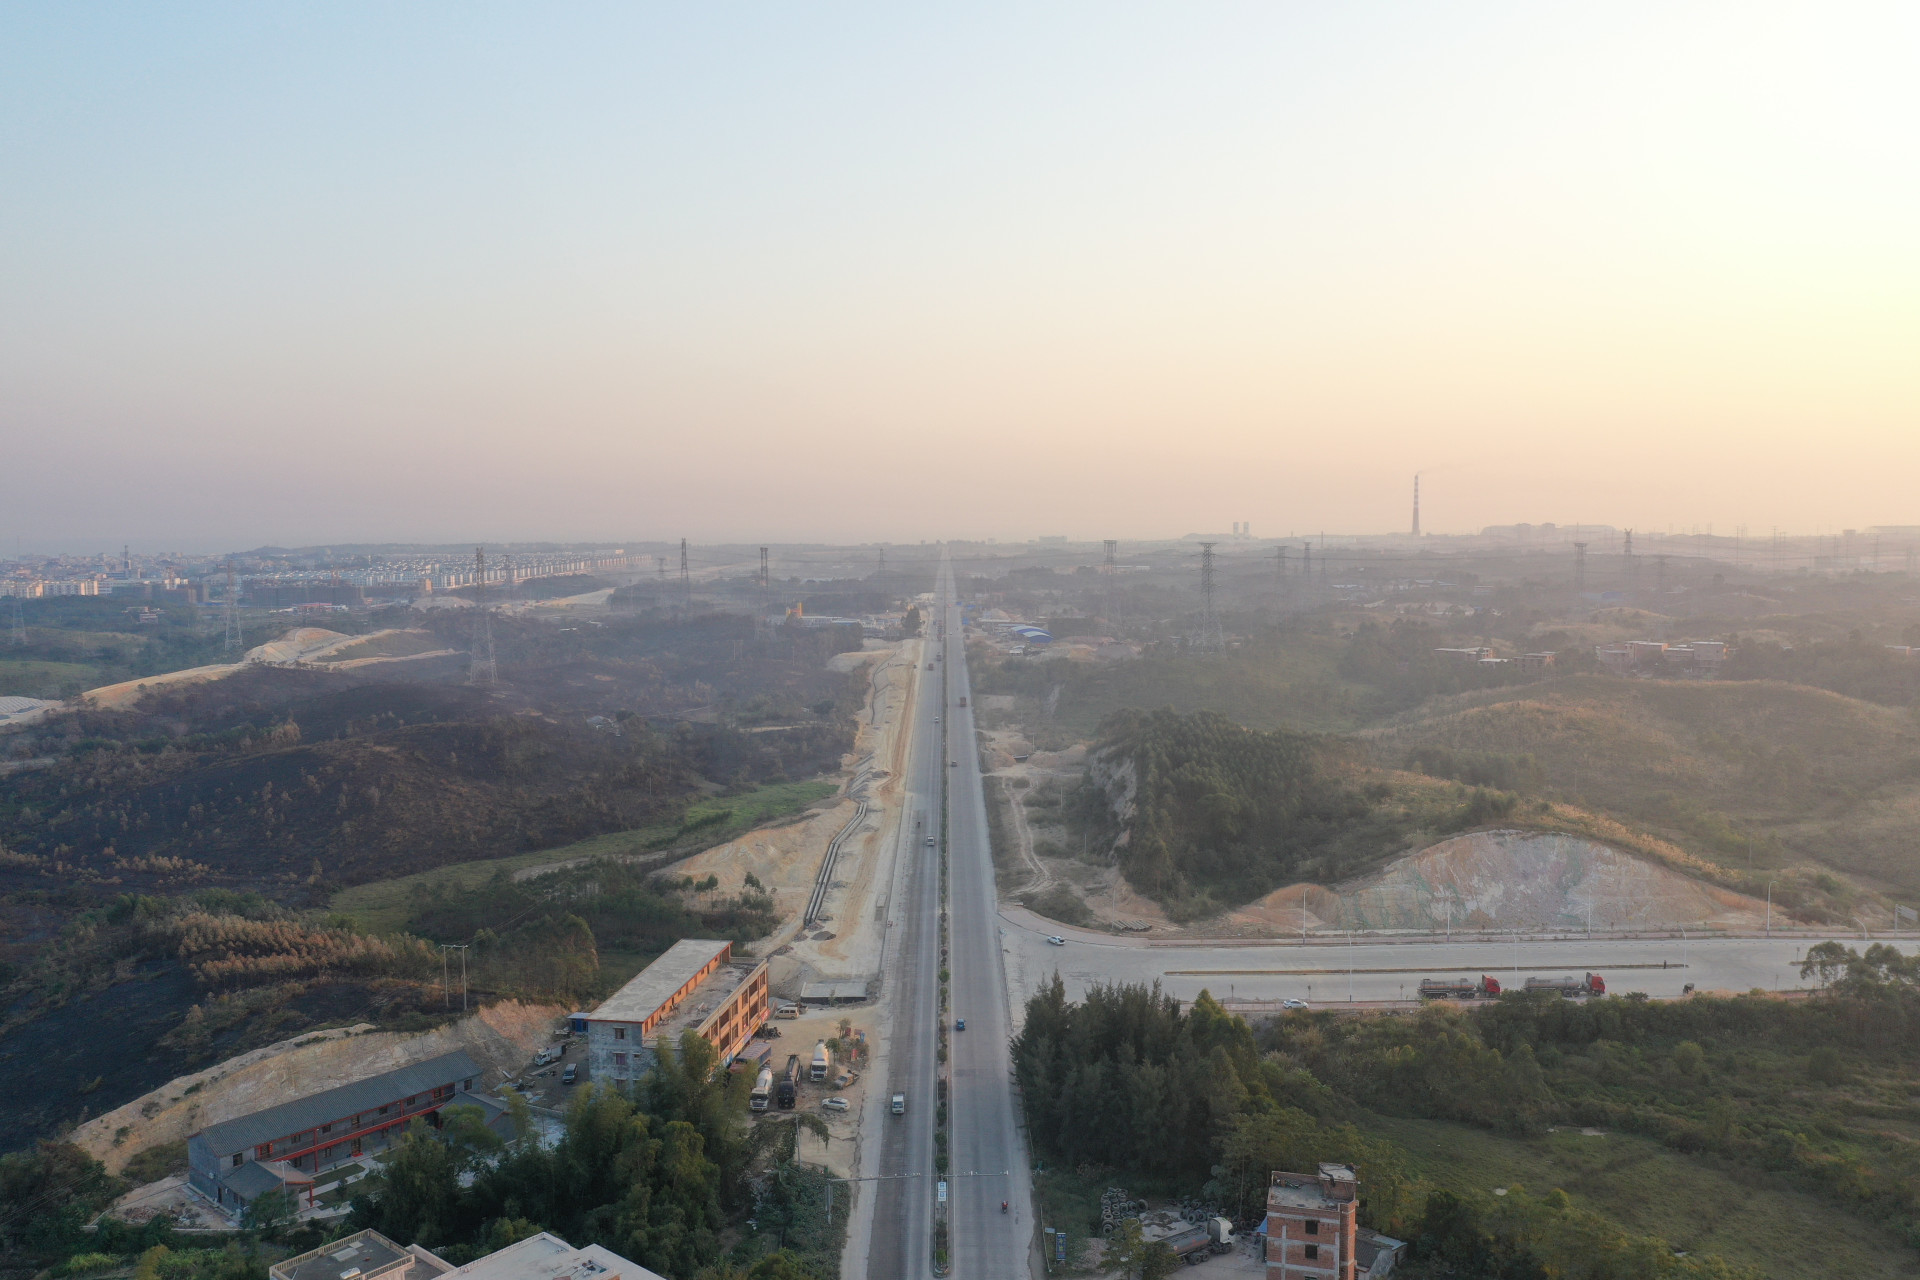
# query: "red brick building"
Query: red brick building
{"points": [[1312, 1224]]}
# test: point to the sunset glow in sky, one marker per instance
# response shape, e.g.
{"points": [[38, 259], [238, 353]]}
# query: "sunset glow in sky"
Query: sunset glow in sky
{"points": [[299, 273]]}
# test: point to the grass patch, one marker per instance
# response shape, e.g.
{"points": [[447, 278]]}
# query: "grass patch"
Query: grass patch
{"points": [[1060, 903], [1692, 1204], [617, 968], [158, 1162], [32, 678], [383, 906]]}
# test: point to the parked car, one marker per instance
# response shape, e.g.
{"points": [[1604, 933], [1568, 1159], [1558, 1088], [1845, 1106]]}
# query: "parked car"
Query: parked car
{"points": [[1056, 940], [571, 1074], [959, 1024], [835, 1104]]}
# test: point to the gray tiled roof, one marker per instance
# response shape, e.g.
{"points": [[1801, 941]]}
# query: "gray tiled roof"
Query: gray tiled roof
{"points": [[245, 1132], [258, 1176]]}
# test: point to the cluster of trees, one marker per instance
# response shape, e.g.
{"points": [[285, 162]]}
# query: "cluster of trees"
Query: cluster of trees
{"points": [[540, 936], [1798, 1091], [1399, 661], [228, 950], [1855, 666], [655, 1177], [1220, 813], [1479, 768], [1127, 1079], [1192, 1099]]}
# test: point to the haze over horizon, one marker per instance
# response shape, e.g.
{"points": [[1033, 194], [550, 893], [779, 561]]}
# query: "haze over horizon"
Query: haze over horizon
{"points": [[320, 274]]}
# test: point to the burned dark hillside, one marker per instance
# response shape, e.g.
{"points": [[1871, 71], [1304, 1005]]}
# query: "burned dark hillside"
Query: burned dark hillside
{"points": [[299, 780]]}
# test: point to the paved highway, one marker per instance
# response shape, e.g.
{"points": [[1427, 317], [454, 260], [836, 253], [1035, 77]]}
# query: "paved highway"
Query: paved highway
{"points": [[900, 1218], [1324, 972], [986, 1244]]}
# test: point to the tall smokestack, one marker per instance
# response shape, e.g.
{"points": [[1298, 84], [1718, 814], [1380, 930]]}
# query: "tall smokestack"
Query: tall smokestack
{"points": [[1416, 504]]}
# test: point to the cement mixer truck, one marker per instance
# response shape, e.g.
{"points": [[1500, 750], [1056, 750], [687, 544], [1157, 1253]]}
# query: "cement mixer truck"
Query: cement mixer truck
{"points": [[762, 1090]]}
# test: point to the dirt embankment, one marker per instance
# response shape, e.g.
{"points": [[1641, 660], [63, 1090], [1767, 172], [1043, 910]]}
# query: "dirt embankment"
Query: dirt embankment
{"points": [[786, 860], [499, 1037], [1509, 880]]}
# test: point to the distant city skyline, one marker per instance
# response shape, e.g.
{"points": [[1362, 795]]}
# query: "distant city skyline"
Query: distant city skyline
{"points": [[296, 275]]}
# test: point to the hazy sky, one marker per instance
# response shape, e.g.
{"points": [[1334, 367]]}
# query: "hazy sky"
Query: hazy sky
{"points": [[294, 273]]}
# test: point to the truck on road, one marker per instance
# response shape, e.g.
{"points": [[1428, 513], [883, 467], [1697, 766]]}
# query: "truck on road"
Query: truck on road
{"points": [[1196, 1243], [785, 1091], [1487, 988], [1571, 987], [762, 1090]]}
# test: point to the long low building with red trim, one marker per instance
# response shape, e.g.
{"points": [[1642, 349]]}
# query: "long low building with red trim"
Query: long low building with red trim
{"points": [[282, 1147]]}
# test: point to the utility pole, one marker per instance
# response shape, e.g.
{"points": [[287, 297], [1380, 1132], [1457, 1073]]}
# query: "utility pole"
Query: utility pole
{"points": [[1210, 637], [1580, 568], [446, 991]]}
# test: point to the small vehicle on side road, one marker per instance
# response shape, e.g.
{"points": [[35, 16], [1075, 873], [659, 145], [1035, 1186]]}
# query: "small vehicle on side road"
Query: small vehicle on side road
{"points": [[1056, 940], [834, 1104]]}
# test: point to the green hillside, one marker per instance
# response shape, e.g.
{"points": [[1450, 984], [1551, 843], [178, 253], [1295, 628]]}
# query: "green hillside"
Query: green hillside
{"points": [[1754, 774]]}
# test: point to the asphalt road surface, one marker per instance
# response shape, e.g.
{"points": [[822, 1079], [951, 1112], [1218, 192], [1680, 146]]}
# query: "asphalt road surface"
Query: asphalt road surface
{"points": [[901, 1222], [988, 1155], [1325, 972]]}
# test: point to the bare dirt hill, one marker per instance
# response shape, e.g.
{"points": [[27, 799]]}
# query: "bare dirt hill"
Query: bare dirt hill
{"points": [[1510, 880], [1743, 771]]}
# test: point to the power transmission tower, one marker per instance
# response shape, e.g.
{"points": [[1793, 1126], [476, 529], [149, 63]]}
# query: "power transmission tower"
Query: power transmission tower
{"points": [[763, 574], [1660, 574], [20, 622], [881, 572], [686, 581], [1629, 557], [1579, 568], [233, 640], [482, 669], [1210, 637], [1112, 545], [1306, 562], [1416, 504], [1280, 567], [660, 564]]}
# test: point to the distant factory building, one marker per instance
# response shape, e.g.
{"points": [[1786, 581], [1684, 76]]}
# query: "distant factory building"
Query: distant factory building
{"points": [[694, 986]]}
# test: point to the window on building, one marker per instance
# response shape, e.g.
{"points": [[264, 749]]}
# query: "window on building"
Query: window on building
{"points": [[264, 1150], [619, 1033], [619, 1059], [1313, 1252], [1313, 1228], [326, 1128], [239, 1158]]}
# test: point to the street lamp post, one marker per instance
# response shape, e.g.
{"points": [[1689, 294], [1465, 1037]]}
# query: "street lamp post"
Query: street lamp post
{"points": [[1770, 885]]}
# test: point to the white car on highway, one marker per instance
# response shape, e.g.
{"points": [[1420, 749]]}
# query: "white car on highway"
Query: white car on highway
{"points": [[1056, 940], [1293, 1004]]}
